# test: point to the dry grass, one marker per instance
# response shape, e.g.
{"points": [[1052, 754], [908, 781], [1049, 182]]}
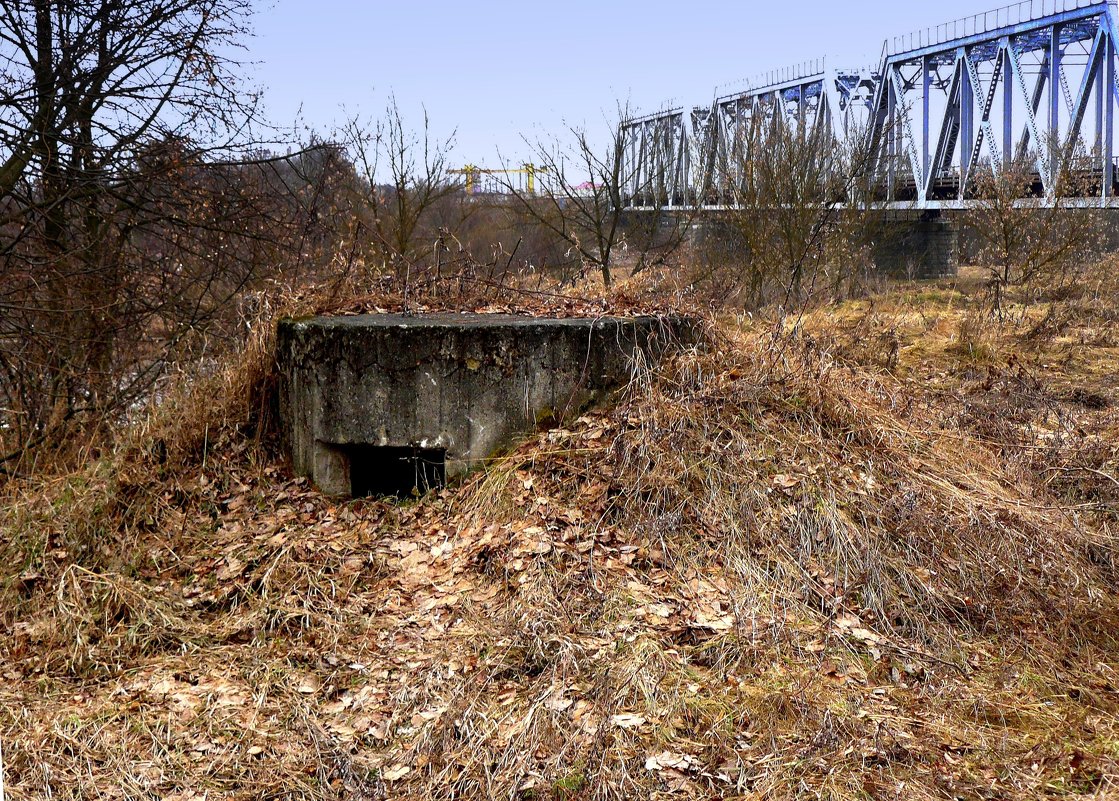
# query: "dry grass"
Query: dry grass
{"points": [[781, 568]]}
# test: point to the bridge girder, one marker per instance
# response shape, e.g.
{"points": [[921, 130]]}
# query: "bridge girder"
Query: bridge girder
{"points": [[943, 105]]}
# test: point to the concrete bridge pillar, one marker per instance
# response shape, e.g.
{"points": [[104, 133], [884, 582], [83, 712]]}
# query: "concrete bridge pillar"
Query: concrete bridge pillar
{"points": [[918, 245]]}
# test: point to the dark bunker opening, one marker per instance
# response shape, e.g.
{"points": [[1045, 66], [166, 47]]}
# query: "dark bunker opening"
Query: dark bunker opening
{"points": [[396, 472]]}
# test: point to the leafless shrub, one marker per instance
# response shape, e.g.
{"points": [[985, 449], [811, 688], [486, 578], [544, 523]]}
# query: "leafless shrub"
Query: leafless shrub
{"points": [[801, 224], [1024, 240], [580, 203], [402, 194]]}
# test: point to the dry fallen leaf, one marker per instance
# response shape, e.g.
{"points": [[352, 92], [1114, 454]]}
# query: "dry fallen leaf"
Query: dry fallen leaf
{"points": [[309, 686], [395, 773], [785, 482], [628, 721], [866, 635], [230, 568], [557, 702], [668, 760]]}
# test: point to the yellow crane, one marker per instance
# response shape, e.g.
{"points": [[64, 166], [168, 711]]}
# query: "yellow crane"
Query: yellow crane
{"points": [[474, 175]]}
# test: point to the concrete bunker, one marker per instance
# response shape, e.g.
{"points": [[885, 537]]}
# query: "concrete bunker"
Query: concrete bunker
{"points": [[393, 405]]}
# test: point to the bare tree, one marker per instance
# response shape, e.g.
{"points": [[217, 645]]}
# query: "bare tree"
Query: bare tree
{"points": [[403, 180], [580, 202], [800, 213], [135, 205]]}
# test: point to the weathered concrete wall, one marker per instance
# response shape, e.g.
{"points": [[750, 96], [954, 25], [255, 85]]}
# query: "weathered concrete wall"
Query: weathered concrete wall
{"points": [[466, 384], [918, 249], [905, 244]]}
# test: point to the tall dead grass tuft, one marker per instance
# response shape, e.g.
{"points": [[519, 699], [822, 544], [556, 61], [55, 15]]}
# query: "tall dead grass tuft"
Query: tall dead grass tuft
{"points": [[101, 621], [976, 336], [821, 491]]}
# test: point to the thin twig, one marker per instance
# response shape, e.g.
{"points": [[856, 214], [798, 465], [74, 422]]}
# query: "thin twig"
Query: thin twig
{"points": [[1094, 472]]}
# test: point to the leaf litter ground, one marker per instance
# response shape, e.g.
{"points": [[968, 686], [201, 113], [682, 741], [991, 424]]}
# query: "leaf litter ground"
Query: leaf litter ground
{"points": [[764, 573]]}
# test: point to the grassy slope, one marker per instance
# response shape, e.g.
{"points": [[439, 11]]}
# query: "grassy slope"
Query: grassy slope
{"points": [[873, 562]]}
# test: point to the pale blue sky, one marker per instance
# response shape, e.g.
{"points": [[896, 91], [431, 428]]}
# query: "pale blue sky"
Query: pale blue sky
{"points": [[496, 70]]}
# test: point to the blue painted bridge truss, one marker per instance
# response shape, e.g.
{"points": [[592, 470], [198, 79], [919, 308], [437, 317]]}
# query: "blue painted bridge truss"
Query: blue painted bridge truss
{"points": [[1032, 84]]}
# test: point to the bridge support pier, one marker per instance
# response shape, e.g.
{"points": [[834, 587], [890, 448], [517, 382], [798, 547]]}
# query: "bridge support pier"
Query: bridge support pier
{"points": [[917, 245]]}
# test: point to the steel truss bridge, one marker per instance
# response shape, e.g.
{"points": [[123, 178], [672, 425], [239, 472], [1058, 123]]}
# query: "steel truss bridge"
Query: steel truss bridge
{"points": [[1031, 86]]}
